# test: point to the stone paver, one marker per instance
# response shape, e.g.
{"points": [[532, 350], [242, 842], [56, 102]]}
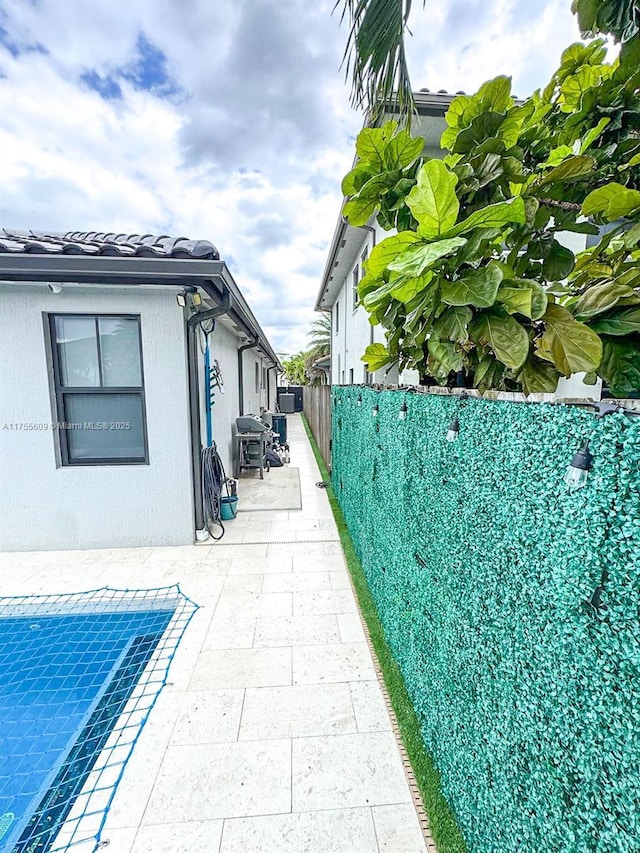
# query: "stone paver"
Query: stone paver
{"points": [[272, 735]]}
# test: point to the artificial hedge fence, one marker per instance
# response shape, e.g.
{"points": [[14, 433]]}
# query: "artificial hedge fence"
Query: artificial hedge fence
{"points": [[511, 604]]}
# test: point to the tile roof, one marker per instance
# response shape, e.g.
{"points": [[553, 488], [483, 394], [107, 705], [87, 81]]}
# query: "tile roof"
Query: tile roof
{"points": [[104, 243]]}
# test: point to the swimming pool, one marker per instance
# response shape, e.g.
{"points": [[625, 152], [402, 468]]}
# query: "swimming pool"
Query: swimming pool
{"points": [[66, 679]]}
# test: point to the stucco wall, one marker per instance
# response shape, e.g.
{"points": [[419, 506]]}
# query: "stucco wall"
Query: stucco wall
{"points": [[47, 507], [354, 332], [224, 345]]}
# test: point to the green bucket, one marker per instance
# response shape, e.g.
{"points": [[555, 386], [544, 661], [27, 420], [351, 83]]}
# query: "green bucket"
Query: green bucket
{"points": [[228, 507]]}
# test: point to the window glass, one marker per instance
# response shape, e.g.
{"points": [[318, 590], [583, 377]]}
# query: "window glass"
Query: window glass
{"points": [[120, 352], [104, 426], [356, 279], [77, 351]]}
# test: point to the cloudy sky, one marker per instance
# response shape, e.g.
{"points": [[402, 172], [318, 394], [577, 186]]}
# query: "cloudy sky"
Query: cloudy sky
{"points": [[226, 120]]}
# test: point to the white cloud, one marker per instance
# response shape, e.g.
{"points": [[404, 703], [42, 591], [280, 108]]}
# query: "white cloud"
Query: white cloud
{"points": [[240, 132]]}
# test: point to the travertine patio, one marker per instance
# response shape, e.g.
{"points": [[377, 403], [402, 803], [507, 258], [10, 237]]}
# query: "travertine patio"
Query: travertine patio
{"points": [[272, 736]]}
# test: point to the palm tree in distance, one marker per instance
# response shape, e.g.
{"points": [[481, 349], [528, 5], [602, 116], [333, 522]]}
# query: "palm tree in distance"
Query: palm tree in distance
{"points": [[320, 336], [375, 57]]}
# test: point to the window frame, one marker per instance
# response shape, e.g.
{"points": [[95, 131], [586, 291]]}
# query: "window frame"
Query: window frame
{"points": [[60, 391], [337, 323], [355, 280]]}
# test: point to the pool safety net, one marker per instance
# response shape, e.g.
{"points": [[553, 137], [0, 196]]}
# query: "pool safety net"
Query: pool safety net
{"points": [[79, 675]]}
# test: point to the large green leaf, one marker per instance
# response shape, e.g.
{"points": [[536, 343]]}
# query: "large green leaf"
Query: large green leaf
{"points": [[408, 289], [492, 216], [611, 201], [522, 296], [488, 373], [373, 297], [402, 150], [593, 134], [511, 128], [624, 204], [359, 209], [444, 358], [354, 180], [570, 345], [506, 338], [558, 263], [462, 110], [574, 87], [452, 324], [632, 237], [621, 323], [620, 367], [538, 377], [388, 250], [433, 200], [372, 142], [477, 287], [415, 260], [600, 298], [571, 169], [420, 310], [376, 356], [496, 94]]}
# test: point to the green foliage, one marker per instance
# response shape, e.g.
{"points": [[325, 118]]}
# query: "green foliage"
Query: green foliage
{"points": [[484, 569], [442, 824], [295, 369], [482, 230], [375, 54], [383, 175], [621, 18]]}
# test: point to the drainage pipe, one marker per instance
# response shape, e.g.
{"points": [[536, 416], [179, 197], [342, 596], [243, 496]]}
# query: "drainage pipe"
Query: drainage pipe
{"points": [[275, 377], [251, 345]]}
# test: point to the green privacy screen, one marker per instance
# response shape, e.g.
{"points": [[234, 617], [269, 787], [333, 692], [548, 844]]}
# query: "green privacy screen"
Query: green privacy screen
{"points": [[484, 567]]}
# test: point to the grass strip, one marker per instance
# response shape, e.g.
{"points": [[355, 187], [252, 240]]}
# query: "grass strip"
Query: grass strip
{"points": [[444, 828]]}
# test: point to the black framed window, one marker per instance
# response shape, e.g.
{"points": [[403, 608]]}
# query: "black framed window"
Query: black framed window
{"points": [[99, 389]]}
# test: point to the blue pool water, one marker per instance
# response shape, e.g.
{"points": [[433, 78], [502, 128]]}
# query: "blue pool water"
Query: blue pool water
{"points": [[64, 680]]}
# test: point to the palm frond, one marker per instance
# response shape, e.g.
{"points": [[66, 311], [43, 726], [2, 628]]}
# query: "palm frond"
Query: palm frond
{"points": [[375, 56]]}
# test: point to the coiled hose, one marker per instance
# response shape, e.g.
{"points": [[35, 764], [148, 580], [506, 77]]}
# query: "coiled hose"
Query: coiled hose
{"points": [[213, 481]]}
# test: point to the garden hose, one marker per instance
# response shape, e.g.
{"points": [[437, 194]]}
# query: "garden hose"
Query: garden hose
{"points": [[213, 481]]}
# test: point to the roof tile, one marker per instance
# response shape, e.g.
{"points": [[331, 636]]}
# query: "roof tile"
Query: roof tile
{"points": [[105, 243]]}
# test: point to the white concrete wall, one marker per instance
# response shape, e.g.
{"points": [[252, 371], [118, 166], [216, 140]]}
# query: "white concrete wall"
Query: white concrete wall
{"points": [[43, 506], [223, 346], [354, 333]]}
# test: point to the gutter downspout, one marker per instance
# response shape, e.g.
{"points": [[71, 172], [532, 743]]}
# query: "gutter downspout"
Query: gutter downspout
{"points": [[194, 410], [273, 367], [251, 345]]}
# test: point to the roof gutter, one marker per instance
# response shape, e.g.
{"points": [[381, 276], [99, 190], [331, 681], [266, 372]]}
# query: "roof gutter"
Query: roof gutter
{"points": [[336, 243], [117, 270], [91, 269], [241, 317]]}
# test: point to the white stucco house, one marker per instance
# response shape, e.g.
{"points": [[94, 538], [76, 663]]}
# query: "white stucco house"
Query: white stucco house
{"points": [[351, 331], [114, 353]]}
